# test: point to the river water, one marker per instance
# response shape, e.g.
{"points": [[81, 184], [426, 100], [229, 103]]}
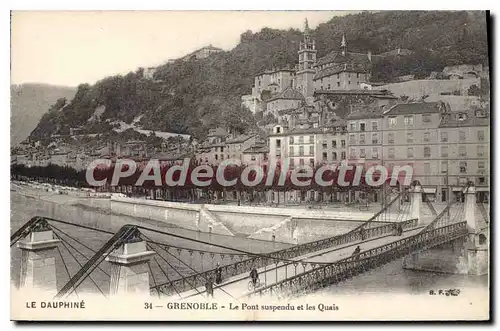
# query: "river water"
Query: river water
{"points": [[389, 278]]}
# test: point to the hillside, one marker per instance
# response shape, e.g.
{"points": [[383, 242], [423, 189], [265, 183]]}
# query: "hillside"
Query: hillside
{"points": [[189, 97], [28, 103]]}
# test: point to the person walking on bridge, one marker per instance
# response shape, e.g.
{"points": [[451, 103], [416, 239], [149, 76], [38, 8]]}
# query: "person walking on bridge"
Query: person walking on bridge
{"points": [[356, 252], [218, 274], [209, 286], [254, 275]]}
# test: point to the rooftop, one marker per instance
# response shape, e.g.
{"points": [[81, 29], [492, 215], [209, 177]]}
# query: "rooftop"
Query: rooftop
{"points": [[464, 119], [256, 149], [350, 57], [414, 108], [288, 94], [239, 139], [338, 68]]}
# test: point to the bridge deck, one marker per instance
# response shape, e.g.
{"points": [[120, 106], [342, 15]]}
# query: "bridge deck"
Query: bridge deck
{"points": [[237, 286]]}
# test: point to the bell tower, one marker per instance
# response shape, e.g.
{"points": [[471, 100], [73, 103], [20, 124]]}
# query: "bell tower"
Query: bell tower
{"points": [[307, 60]]}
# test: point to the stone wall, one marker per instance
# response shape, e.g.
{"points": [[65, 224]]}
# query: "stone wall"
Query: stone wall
{"points": [[287, 224]]}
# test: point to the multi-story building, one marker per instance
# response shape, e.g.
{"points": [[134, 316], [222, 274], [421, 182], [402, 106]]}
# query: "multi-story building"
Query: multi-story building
{"points": [[446, 149], [256, 155], [364, 136], [342, 70], [290, 98], [410, 137], [464, 153], [273, 81]]}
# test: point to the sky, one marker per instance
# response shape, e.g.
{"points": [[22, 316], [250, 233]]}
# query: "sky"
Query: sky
{"points": [[69, 48]]}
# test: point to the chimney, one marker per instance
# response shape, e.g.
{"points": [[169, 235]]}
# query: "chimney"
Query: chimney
{"points": [[369, 54]]}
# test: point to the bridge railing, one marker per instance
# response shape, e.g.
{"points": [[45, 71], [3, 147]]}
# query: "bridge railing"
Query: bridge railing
{"points": [[322, 275], [197, 280]]}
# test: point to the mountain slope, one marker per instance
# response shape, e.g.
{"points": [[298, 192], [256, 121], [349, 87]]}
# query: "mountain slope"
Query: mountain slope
{"points": [[190, 97], [28, 104]]}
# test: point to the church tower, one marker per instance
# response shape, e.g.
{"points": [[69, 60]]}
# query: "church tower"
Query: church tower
{"points": [[307, 60]]}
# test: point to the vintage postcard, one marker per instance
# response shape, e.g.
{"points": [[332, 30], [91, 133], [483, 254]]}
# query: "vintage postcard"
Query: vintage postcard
{"points": [[250, 166]]}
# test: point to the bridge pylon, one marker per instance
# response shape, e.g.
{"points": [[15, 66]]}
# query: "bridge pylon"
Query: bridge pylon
{"points": [[477, 243], [130, 268], [38, 262], [416, 201]]}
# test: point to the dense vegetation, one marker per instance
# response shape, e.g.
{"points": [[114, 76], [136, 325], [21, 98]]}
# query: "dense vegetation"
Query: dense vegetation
{"points": [[189, 97]]}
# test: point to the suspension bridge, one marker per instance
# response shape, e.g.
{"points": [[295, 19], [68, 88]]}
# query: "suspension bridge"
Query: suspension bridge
{"points": [[154, 262]]}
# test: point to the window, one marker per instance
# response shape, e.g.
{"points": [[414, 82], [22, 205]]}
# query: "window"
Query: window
{"points": [[291, 140], [311, 139], [301, 162], [349, 82], [357, 75], [374, 138], [391, 153], [325, 156], [480, 165], [311, 150], [334, 156], [352, 127], [362, 138], [480, 150], [253, 158], [444, 137], [324, 145], [461, 136], [292, 162], [408, 120], [390, 138], [342, 143], [409, 137], [301, 150], [462, 152], [352, 153], [301, 139], [334, 143], [427, 137], [338, 84], [463, 167], [362, 153], [278, 130], [444, 151], [480, 135], [278, 143], [216, 156], [427, 151], [426, 118], [362, 126], [393, 121], [329, 86], [342, 155], [375, 153], [311, 162], [352, 139], [444, 167], [409, 152], [222, 156], [338, 76], [291, 150]]}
